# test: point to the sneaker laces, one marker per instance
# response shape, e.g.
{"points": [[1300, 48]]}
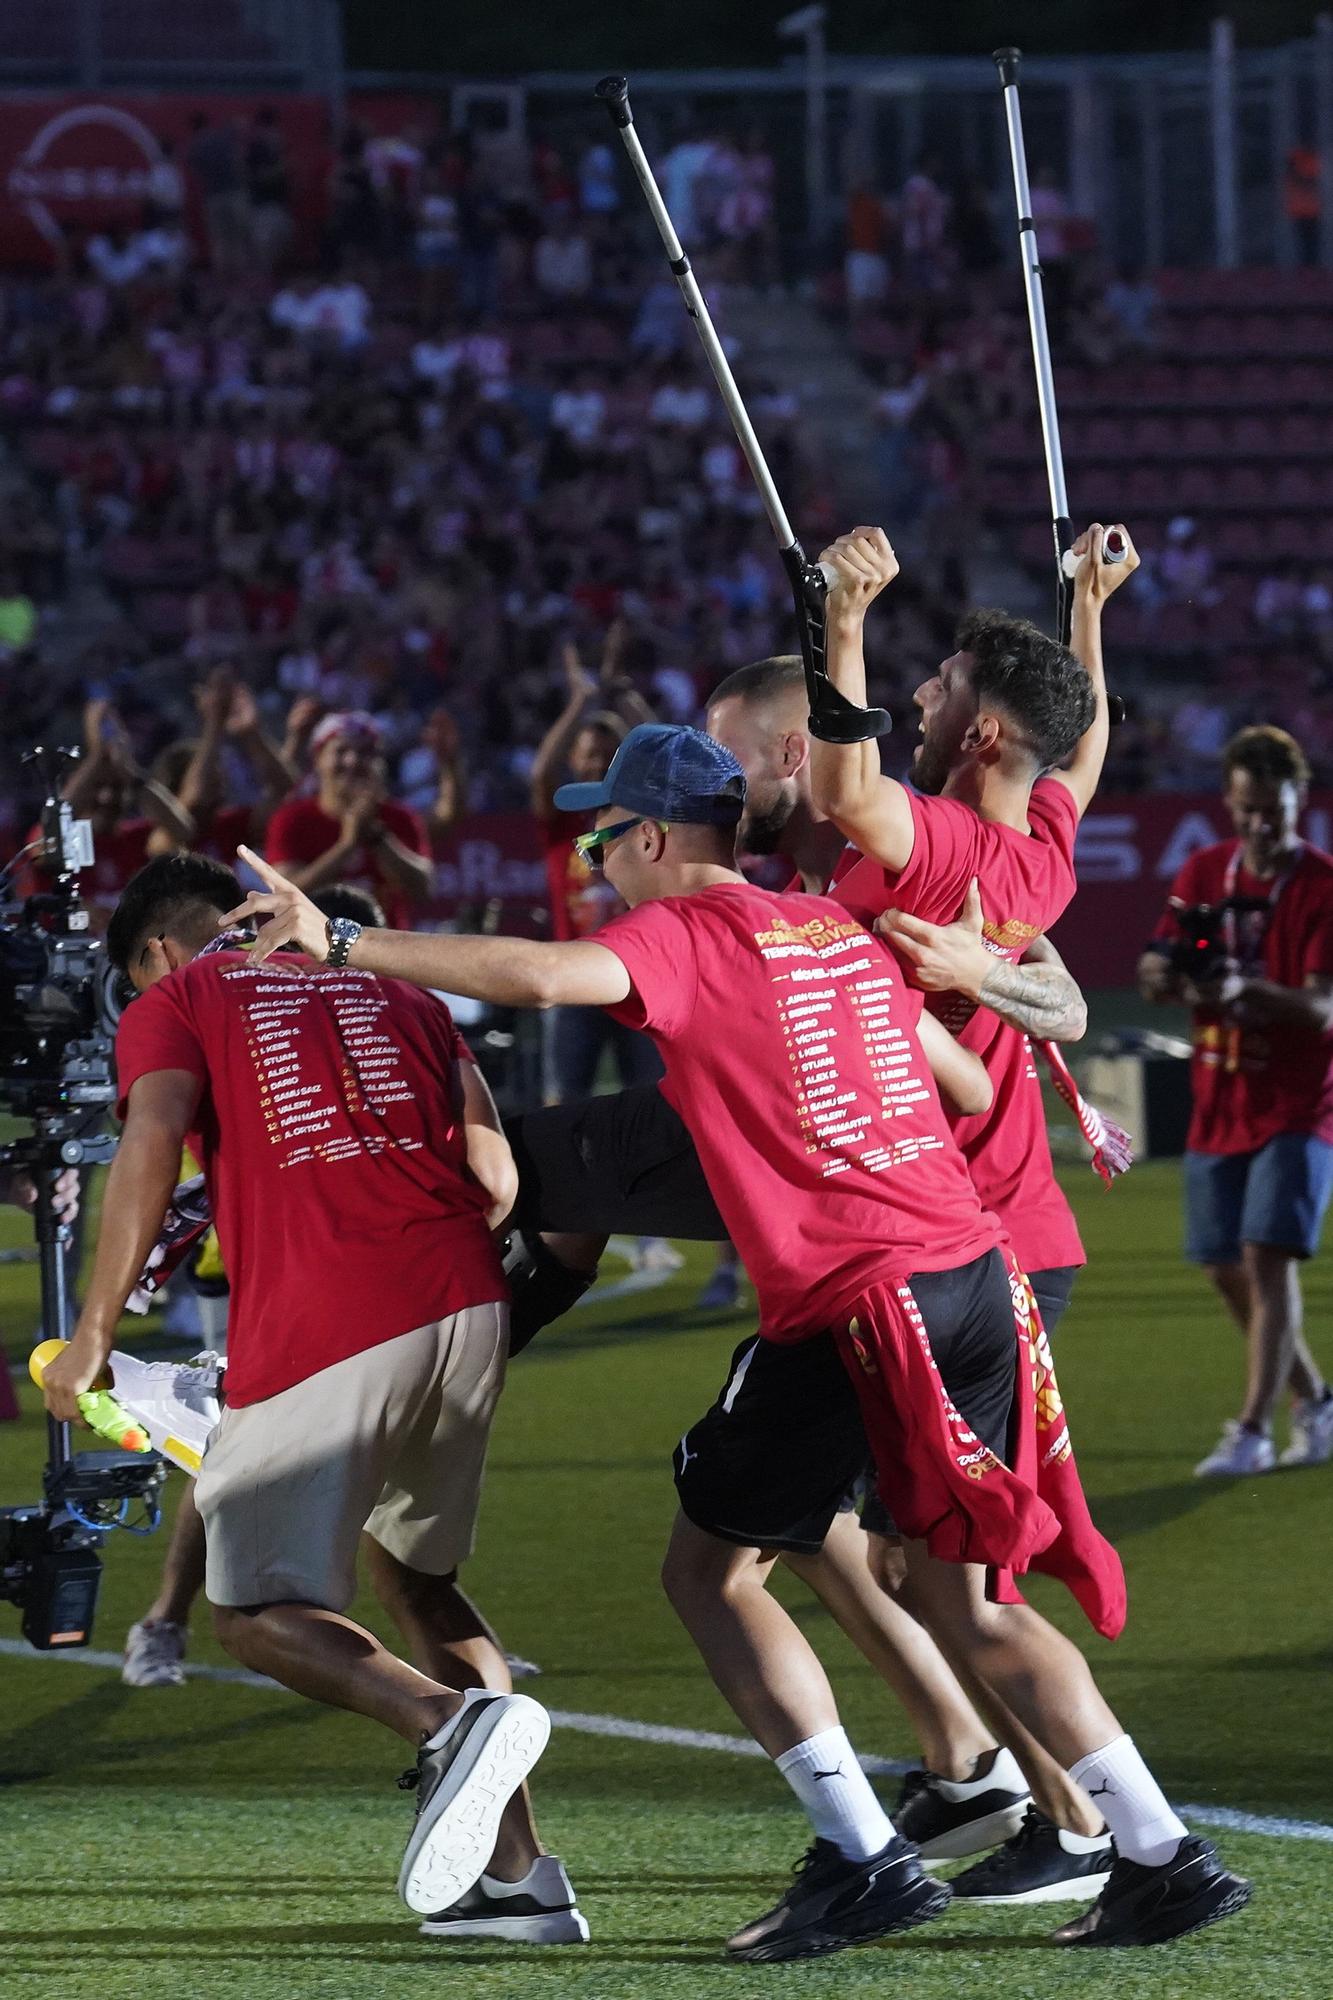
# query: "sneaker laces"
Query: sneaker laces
{"points": [[1012, 1852]]}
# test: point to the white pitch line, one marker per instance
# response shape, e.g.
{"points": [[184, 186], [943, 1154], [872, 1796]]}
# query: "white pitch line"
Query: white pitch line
{"points": [[627, 1730]]}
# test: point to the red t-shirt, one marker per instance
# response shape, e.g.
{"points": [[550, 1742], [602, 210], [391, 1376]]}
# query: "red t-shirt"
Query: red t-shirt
{"points": [[1251, 1083], [331, 1137], [582, 899], [300, 831], [1026, 881], [789, 1039], [117, 856]]}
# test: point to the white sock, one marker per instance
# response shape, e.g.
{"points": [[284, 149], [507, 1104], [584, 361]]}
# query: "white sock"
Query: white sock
{"points": [[1131, 1801], [1002, 1775], [836, 1794]]}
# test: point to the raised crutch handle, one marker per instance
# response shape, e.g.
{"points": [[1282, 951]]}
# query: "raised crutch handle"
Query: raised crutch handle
{"points": [[613, 92]]}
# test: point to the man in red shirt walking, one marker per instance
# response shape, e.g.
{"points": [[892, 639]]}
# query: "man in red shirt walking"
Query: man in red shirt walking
{"points": [[792, 1055], [354, 1163], [350, 830], [1255, 915]]}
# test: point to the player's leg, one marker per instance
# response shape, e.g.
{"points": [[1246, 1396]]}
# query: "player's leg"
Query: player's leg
{"points": [[951, 1734], [155, 1643], [1215, 1187], [1286, 1199], [764, 1470], [284, 1491], [1164, 1881], [621, 1164]]}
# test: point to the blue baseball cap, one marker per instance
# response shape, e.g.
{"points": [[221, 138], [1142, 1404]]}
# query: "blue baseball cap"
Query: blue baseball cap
{"points": [[666, 772]]}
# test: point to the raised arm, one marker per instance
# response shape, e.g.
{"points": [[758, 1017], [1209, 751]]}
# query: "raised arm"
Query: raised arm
{"points": [[1094, 582], [846, 782], [554, 748], [511, 972]]}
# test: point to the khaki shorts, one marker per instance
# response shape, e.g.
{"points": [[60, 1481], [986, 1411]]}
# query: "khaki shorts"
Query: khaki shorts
{"points": [[392, 1441]]}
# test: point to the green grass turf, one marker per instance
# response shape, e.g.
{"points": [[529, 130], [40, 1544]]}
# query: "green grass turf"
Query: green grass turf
{"points": [[223, 1841]]}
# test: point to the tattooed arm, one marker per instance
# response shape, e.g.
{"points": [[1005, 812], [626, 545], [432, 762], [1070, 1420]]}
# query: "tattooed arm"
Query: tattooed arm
{"points": [[1038, 996]]}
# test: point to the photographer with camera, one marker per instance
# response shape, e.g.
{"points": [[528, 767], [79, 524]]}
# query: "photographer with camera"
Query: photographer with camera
{"points": [[1246, 941]]}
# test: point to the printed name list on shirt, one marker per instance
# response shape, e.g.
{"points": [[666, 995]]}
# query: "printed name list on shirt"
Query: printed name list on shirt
{"points": [[841, 994], [302, 1111]]}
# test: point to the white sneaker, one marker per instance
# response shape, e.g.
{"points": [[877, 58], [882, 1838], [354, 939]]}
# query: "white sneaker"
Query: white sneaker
{"points": [[1239, 1453], [540, 1909], [654, 1253], [153, 1654], [1311, 1433], [464, 1778]]}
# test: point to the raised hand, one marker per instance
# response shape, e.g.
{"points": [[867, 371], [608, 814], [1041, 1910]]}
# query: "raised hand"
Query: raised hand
{"points": [[864, 564], [1094, 579], [293, 919]]}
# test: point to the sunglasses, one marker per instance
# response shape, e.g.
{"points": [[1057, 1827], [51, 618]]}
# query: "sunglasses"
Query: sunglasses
{"points": [[592, 846]]}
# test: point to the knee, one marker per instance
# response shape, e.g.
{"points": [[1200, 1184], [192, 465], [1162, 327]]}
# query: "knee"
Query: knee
{"points": [[1223, 1276], [230, 1628], [697, 1571], [888, 1564]]}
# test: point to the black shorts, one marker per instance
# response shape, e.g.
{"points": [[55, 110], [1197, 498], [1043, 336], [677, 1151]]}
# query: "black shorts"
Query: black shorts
{"points": [[775, 1458], [1052, 1290], [618, 1165]]}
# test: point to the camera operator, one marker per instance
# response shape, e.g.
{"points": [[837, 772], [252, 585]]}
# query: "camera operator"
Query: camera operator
{"points": [[1246, 941]]}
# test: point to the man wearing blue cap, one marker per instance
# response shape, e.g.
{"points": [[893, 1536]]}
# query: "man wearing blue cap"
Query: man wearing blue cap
{"points": [[797, 1058]]}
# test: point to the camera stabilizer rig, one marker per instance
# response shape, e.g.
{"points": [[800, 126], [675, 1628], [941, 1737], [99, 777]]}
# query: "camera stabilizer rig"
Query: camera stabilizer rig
{"points": [[59, 1004]]}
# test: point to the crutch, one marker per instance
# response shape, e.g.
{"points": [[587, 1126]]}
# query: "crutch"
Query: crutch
{"points": [[832, 717], [1007, 61]]}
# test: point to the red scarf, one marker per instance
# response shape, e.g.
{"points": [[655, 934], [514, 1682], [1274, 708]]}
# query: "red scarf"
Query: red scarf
{"points": [[945, 1487]]}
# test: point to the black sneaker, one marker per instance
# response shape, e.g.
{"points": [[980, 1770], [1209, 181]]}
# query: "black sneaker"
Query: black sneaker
{"points": [[945, 1829], [464, 1778], [1152, 1905], [541, 1909], [1036, 1866], [834, 1902]]}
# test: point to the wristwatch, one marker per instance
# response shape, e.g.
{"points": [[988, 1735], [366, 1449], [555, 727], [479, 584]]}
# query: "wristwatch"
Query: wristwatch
{"points": [[343, 933]]}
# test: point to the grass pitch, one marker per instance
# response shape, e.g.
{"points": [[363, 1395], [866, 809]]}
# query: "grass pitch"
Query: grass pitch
{"points": [[220, 1840]]}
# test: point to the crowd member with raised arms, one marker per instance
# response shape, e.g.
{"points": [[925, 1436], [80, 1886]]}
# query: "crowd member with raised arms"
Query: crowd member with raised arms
{"points": [[794, 1056], [368, 1334], [193, 770], [1259, 1158], [349, 829]]}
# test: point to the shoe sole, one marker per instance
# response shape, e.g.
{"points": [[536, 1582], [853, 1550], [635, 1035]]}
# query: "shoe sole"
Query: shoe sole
{"points": [[1194, 1916], [454, 1836], [978, 1836], [815, 1943], [167, 1679], [1081, 1889], [559, 1927]]}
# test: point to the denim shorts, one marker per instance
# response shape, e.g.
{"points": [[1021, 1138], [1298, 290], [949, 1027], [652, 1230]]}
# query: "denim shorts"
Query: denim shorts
{"points": [[1276, 1196]]}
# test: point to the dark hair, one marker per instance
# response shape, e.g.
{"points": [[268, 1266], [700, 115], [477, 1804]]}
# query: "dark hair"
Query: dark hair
{"points": [[344, 899], [1268, 754], [1035, 680], [762, 679], [178, 895]]}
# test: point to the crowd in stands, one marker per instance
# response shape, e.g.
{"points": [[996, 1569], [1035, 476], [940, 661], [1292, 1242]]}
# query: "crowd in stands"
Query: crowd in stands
{"points": [[400, 468]]}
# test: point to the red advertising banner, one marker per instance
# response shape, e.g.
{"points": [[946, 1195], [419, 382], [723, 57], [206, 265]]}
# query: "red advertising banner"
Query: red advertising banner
{"points": [[73, 165], [1129, 851]]}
